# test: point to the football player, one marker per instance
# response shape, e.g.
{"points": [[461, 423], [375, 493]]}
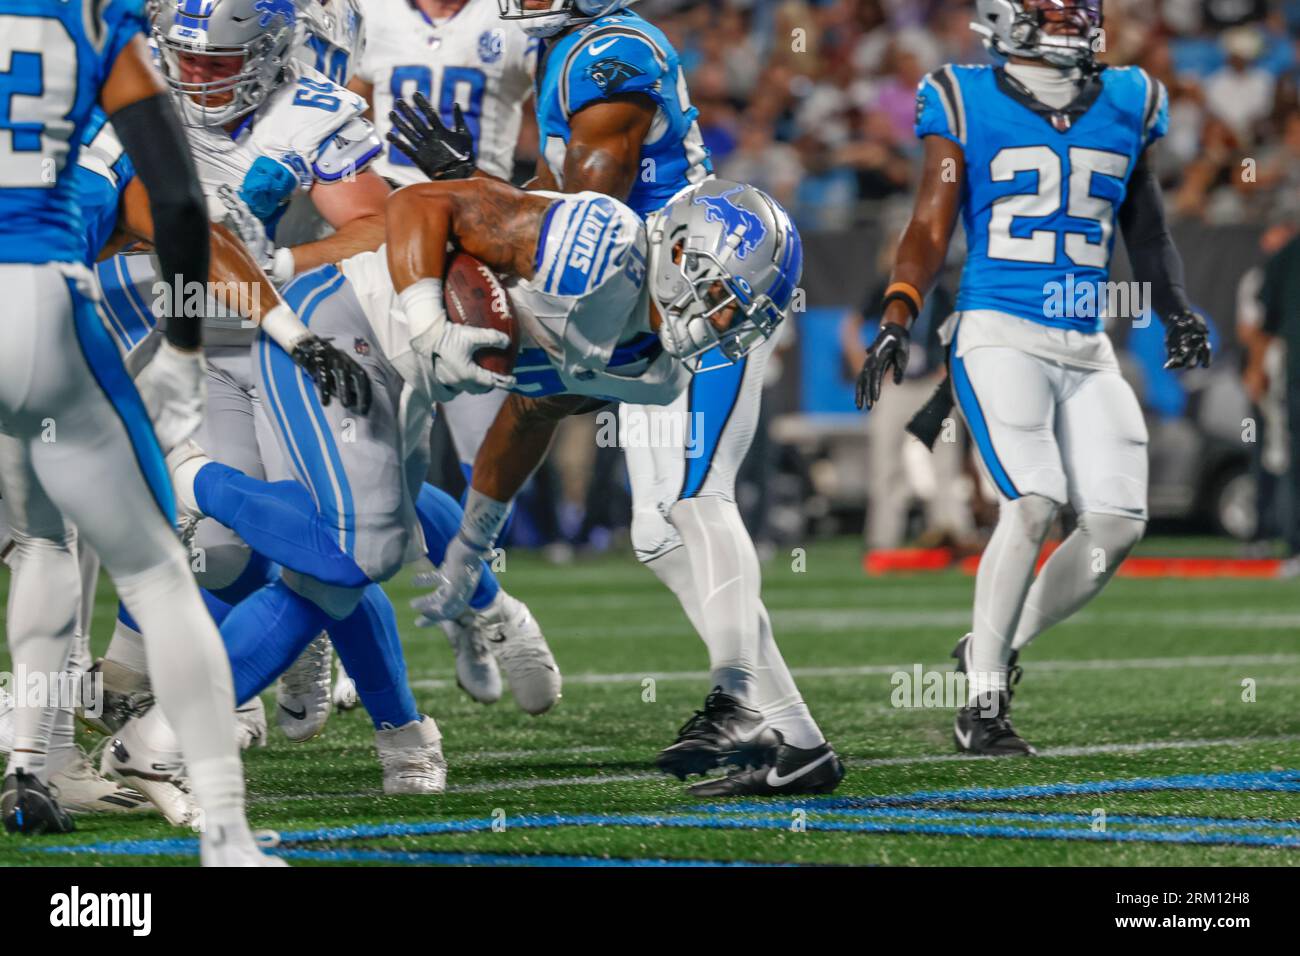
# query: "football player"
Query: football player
{"points": [[456, 54], [60, 367], [615, 117], [1042, 157]]}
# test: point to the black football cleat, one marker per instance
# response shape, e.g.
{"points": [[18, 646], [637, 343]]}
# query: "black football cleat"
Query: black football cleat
{"points": [[29, 808], [724, 732], [791, 771], [985, 730], [961, 653]]}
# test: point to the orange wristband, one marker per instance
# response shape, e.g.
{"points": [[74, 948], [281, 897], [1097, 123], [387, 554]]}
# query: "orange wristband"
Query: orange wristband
{"points": [[908, 290]]}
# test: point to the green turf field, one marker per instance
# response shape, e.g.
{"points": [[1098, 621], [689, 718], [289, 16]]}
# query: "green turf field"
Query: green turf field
{"points": [[1136, 707]]}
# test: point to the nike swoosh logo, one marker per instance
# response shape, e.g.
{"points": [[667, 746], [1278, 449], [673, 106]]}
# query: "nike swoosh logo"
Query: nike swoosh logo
{"points": [[775, 779], [498, 640], [295, 714], [596, 49], [963, 739]]}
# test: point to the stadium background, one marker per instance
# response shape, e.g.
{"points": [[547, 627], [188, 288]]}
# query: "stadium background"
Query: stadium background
{"points": [[814, 102]]}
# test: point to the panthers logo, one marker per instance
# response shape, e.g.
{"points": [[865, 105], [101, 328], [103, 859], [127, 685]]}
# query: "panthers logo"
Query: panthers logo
{"points": [[609, 74], [733, 218], [273, 9]]}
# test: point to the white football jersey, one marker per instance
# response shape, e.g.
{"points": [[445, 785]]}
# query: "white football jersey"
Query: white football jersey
{"points": [[473, 58]]}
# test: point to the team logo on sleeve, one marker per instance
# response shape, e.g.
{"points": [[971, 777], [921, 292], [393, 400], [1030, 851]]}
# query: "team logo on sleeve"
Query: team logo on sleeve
{"points": [[491, 44], [734, 219], [609, 74], [272, 10]]}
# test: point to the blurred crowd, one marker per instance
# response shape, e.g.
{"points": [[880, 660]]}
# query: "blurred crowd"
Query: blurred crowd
{"points": [[814, 100]]}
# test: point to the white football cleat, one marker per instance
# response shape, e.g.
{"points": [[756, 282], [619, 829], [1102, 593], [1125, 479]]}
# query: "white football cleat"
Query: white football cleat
{"points": [[6, 721], [250, 724], [81, 788], [519, 645], [477, 673], [302, 695], [345, 690], [158, 772], [122, 693], [411, 756], [236, 846]]}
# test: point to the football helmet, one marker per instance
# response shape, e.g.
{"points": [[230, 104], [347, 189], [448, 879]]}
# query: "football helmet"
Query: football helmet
{"points": [[720, 247], [1020, 28], [224, 57], [550, 20]]}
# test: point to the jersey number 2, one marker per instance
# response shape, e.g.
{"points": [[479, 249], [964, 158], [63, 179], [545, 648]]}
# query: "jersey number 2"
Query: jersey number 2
{"points": [[37, 94], [1041, 244]]}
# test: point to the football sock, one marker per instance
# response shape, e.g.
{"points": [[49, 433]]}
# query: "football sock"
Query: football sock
{"points": [[440, 516], [370, 648], [265, 633], [1005, 573], [778, 696], [63, 733], [727, 581], [126, 647], [1077, 571], [278, 520], [41, 624]]}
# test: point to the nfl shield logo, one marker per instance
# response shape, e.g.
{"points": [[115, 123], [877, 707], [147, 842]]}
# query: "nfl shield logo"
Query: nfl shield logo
{"points": [[361, 346], [1061, 122]]}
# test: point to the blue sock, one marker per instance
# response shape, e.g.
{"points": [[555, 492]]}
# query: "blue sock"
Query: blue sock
{"points": [[265, 633], [370, 648], [216, 607], [440, 516], [278, 520]]}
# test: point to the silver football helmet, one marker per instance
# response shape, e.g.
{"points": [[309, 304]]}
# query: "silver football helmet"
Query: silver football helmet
{"points": [[721, 254], [550, 19], [224, 57], [1019, 28]]}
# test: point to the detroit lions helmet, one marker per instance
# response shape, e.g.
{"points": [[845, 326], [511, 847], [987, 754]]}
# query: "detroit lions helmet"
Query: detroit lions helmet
{"points": [[551, 17], [721, 248], [1021, 28], [224, 57]]}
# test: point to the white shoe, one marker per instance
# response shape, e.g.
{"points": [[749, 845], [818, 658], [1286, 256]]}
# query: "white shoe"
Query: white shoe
{"points": [[477, 673], [345, 690], [6, 722], [121, 693], [250, 724], [157, 772], [302, 695], [220, 847], [520, 647], [412, 759], [81, 788]]}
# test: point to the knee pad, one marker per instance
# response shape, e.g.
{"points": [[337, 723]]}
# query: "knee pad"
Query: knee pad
{"points": [[337, 602], [652, 534], [1034, 512], [1113, 533]]}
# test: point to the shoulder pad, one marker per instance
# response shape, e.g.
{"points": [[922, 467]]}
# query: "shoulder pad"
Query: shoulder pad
{"points": [[302, 117], [347, 152], [609, 60], [940, 106]]}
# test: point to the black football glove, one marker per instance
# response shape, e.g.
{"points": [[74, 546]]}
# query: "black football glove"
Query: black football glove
{"points": [[890, 350], [335, 374], [1187, 340], [440, 153]]}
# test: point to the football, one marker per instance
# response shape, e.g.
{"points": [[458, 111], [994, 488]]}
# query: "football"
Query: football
{"points": [[474, 296]]}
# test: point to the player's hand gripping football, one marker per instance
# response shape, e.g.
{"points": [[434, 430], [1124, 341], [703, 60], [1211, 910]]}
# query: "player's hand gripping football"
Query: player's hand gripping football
{"points": [[1187, 340], [439, 152], [453, 582], [336, 374], [172, 387], [889, 351], [451, 348]]}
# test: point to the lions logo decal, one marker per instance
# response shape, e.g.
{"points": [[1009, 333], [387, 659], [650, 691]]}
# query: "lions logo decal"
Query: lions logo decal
{"points": [[734, 219], [272, 9], [491, 43], [609, 74]]}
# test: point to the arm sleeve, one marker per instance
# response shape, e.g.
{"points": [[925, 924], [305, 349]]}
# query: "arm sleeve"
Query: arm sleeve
{"points": [[1151, 248], [152, 135]]}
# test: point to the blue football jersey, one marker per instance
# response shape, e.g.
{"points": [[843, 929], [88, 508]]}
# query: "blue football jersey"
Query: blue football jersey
{"points": [[617, 54], [100, 177], [1043, 188], [58, 56]]}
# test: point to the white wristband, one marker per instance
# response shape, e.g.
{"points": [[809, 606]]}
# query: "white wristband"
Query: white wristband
{"points": [[425, 312], [484, 519], [284, 327], [282, 266]]}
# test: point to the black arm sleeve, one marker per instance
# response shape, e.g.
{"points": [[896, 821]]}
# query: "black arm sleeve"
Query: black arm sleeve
{"points": [[152, 135], [1151, 248]]}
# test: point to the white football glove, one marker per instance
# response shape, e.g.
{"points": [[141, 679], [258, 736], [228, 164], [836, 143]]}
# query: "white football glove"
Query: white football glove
{"points": [[452, 349], [239, 219], [172, 387], [455, 581]]}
